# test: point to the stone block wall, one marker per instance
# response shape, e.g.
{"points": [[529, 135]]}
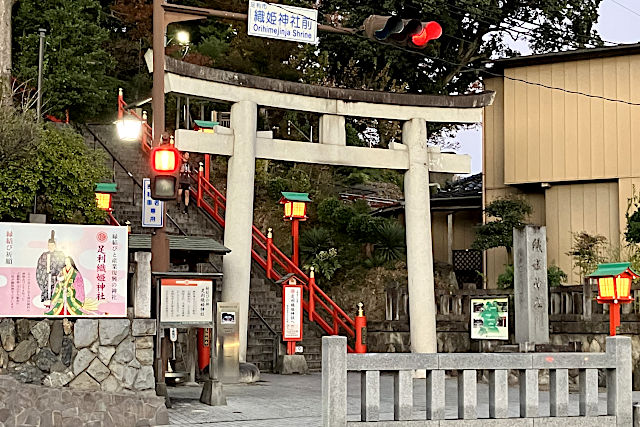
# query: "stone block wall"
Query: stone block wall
{"points": [[111, 355], [34, 405]]}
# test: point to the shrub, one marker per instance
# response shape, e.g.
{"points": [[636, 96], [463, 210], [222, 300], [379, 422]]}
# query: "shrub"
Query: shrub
{"points": [[390, 244], [314, 241], [505, 280], [555, 276]]}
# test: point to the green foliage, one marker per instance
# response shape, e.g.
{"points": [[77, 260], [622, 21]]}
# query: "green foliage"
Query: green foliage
{"points": [[296, 180], [510, 214], [76, 65], [555, 276], [587, 252], [54, 165], [325, 263], [335, 214], [314, 241], [390, 244], [506, 279], [632, 233], [364, 227]]}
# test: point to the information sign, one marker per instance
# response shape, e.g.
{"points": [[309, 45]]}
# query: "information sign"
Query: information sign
{"points": [[152, 210], [282, 22], [292, 313], [186, 302], [490, 318]]}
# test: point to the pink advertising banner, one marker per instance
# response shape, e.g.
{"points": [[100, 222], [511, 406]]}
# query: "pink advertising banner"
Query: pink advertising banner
{"points": [[50, 270]]}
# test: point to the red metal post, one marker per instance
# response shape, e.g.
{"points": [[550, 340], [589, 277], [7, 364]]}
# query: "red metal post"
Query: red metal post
{"points": [[207, 166], [294, 234], [269, 253], [361, 331], [120, 104], [312, 294], [614, 318], [199, 198]]}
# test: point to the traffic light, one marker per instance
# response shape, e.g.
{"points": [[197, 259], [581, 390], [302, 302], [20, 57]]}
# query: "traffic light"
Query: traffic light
{"points": [[165, 162], [401, 32]]}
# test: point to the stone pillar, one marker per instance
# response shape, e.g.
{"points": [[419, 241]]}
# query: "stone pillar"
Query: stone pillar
{"points": [[332, 130], [142, 286], [422, 306], [236, 266], [531, 293]]}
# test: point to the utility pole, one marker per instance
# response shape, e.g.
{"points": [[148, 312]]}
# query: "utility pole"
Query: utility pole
{"points": [[42, 32]]}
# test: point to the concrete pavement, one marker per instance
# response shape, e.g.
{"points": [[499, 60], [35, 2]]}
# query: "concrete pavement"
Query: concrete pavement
{"points": [[295, 400]]}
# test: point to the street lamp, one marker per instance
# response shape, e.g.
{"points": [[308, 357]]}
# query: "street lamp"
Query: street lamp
{"points": [[614, 288], [129, 128], [182, 37], [295, 210]]}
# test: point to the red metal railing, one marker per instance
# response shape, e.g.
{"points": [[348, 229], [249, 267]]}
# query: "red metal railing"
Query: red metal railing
{"points": [[319, 307]]}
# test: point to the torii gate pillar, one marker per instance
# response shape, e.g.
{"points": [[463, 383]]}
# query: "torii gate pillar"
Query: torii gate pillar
{"points": [[236, 265], [422, 323]]}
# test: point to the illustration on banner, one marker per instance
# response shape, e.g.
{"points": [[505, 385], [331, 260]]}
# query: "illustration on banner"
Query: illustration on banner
{"points": [[490, 318], [63, 270]]}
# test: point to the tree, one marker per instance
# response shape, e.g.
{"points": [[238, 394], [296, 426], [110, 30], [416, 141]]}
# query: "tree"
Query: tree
{"points": [[587, 251], [5, 49], [510, 214], [76, 66], [474, 31], [50, 165]]}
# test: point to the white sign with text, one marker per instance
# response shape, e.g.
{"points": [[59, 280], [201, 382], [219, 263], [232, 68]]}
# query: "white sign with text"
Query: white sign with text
{"points": [[282, 22]]}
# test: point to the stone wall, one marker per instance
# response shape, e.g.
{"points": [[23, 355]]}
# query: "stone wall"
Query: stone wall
{"points": [[112, 355], [27, 404]]}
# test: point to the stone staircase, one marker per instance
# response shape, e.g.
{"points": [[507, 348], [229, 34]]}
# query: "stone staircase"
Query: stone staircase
{"points": [[265, 296], [267, 300]]}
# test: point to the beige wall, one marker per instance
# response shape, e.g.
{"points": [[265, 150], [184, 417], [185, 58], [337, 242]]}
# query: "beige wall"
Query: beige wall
{"points": [[584, 147], [552, 135], [464, 224], [591, 207]]}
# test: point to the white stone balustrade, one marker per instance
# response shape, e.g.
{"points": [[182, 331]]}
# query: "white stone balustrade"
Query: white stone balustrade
{"points": [[616, 362]]}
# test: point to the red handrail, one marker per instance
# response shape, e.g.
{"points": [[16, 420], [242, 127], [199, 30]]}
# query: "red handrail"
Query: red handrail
{"points": [[277, 264]]}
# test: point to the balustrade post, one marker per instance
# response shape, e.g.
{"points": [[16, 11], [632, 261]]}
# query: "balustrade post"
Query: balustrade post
{"points": [[587, 300], [269, 253], [498, 393], [619, 380], [370, 395], [559, 392], [588, 383], [312, 294], [334, 381], [402, 395], [435, 395], [199, 198], [528, 393], [467, 394]]}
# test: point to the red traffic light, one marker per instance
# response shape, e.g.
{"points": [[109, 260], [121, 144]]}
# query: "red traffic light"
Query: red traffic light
{"points": [[430, 31], [165, 159]]}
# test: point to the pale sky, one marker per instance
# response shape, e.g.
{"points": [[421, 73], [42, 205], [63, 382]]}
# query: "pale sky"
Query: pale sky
{"points": [[615, 24]]}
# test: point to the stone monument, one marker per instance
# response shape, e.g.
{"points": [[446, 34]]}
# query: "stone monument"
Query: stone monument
{"points": [[531, 290]]}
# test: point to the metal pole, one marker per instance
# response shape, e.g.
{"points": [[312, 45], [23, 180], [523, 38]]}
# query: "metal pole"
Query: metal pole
{"points": [[159, 240], [42, 32]]}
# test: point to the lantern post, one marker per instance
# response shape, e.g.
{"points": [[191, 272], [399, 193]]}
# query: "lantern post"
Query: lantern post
{"points": [[295, 210], [614, 288]]}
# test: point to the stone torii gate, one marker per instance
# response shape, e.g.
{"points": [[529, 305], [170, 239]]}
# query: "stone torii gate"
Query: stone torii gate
{"points": [[244, 144]]}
